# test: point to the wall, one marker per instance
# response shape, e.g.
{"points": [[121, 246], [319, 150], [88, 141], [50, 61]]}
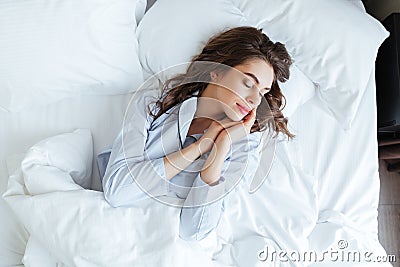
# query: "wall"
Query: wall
{"points": [[380, 9]]}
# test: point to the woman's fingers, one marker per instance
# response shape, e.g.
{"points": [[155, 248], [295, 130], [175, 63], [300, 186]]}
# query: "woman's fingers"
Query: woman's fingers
{"points": [[247, 121], [250, 118]]}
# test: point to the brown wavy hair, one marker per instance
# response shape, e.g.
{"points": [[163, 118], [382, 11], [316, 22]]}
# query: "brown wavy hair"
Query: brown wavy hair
{"points": [[231, 48]]}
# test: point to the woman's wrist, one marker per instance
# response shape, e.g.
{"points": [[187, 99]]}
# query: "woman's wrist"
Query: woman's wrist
{"points": [[211, 171], [223, 143], [213, 165], [204, 145]]}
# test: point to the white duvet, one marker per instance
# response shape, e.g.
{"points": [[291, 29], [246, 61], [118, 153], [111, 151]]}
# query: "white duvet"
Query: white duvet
{"points": [[76, 227], [79, 228]]}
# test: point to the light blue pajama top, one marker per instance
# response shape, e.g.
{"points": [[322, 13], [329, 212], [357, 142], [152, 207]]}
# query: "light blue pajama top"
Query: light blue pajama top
{"points": [[138, 152]]}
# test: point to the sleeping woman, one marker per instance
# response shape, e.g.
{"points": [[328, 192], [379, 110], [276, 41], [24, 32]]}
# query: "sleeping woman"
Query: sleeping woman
{"points": [[201, 136]]}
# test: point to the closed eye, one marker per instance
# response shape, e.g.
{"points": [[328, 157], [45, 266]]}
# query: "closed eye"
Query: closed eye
{"points": [[248, 83]]}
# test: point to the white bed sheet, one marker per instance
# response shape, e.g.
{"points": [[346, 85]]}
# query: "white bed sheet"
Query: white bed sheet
{"points": [[345, 165]]}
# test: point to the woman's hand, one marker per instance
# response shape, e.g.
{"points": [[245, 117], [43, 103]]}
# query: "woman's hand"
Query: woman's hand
{"points": [[232, 131], [209, 137], [229, 135]]}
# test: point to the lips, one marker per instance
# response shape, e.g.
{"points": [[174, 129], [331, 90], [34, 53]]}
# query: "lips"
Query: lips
{"points": [[243, 109]]}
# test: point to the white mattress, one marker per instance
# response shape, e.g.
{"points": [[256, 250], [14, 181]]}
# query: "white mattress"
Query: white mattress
{"points": [[342, 166]]}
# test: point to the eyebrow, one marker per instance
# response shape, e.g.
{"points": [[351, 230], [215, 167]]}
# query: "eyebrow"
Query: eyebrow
{"points": [[255, 79]]}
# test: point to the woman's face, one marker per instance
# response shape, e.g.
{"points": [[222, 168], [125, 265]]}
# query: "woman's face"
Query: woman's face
{"points": [[242, 87]]}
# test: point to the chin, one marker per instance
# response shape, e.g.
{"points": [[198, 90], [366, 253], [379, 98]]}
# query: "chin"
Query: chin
{"points": [[234, 116]]}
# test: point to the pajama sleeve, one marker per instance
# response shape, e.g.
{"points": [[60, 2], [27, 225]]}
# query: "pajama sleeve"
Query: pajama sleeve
{"points": [[196, 222], [129, 170]]}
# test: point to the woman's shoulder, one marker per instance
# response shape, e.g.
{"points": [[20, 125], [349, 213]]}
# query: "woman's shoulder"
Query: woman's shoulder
{"points": [[147, 102]]}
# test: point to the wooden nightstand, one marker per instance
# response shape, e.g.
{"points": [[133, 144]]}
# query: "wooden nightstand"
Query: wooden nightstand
{"points": [[389, 150]]}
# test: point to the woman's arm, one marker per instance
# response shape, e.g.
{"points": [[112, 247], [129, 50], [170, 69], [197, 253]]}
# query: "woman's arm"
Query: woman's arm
{"points": [[119, 186], [180, 160], [211, 171], [129, 169], [177, 161], [196, 221], [193, 226]]}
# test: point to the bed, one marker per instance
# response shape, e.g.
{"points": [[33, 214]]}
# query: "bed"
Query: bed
{"points": [[321, 190]]}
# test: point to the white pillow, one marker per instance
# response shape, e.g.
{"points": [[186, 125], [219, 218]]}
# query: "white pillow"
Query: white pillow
{"points": [[164, 41], [358, 3], [48, 165], [141, 7], [50, 50], [334, 43], [297, 90]]}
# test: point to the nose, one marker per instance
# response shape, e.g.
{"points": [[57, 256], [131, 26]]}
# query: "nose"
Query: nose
{"points": [[254, 99]]}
